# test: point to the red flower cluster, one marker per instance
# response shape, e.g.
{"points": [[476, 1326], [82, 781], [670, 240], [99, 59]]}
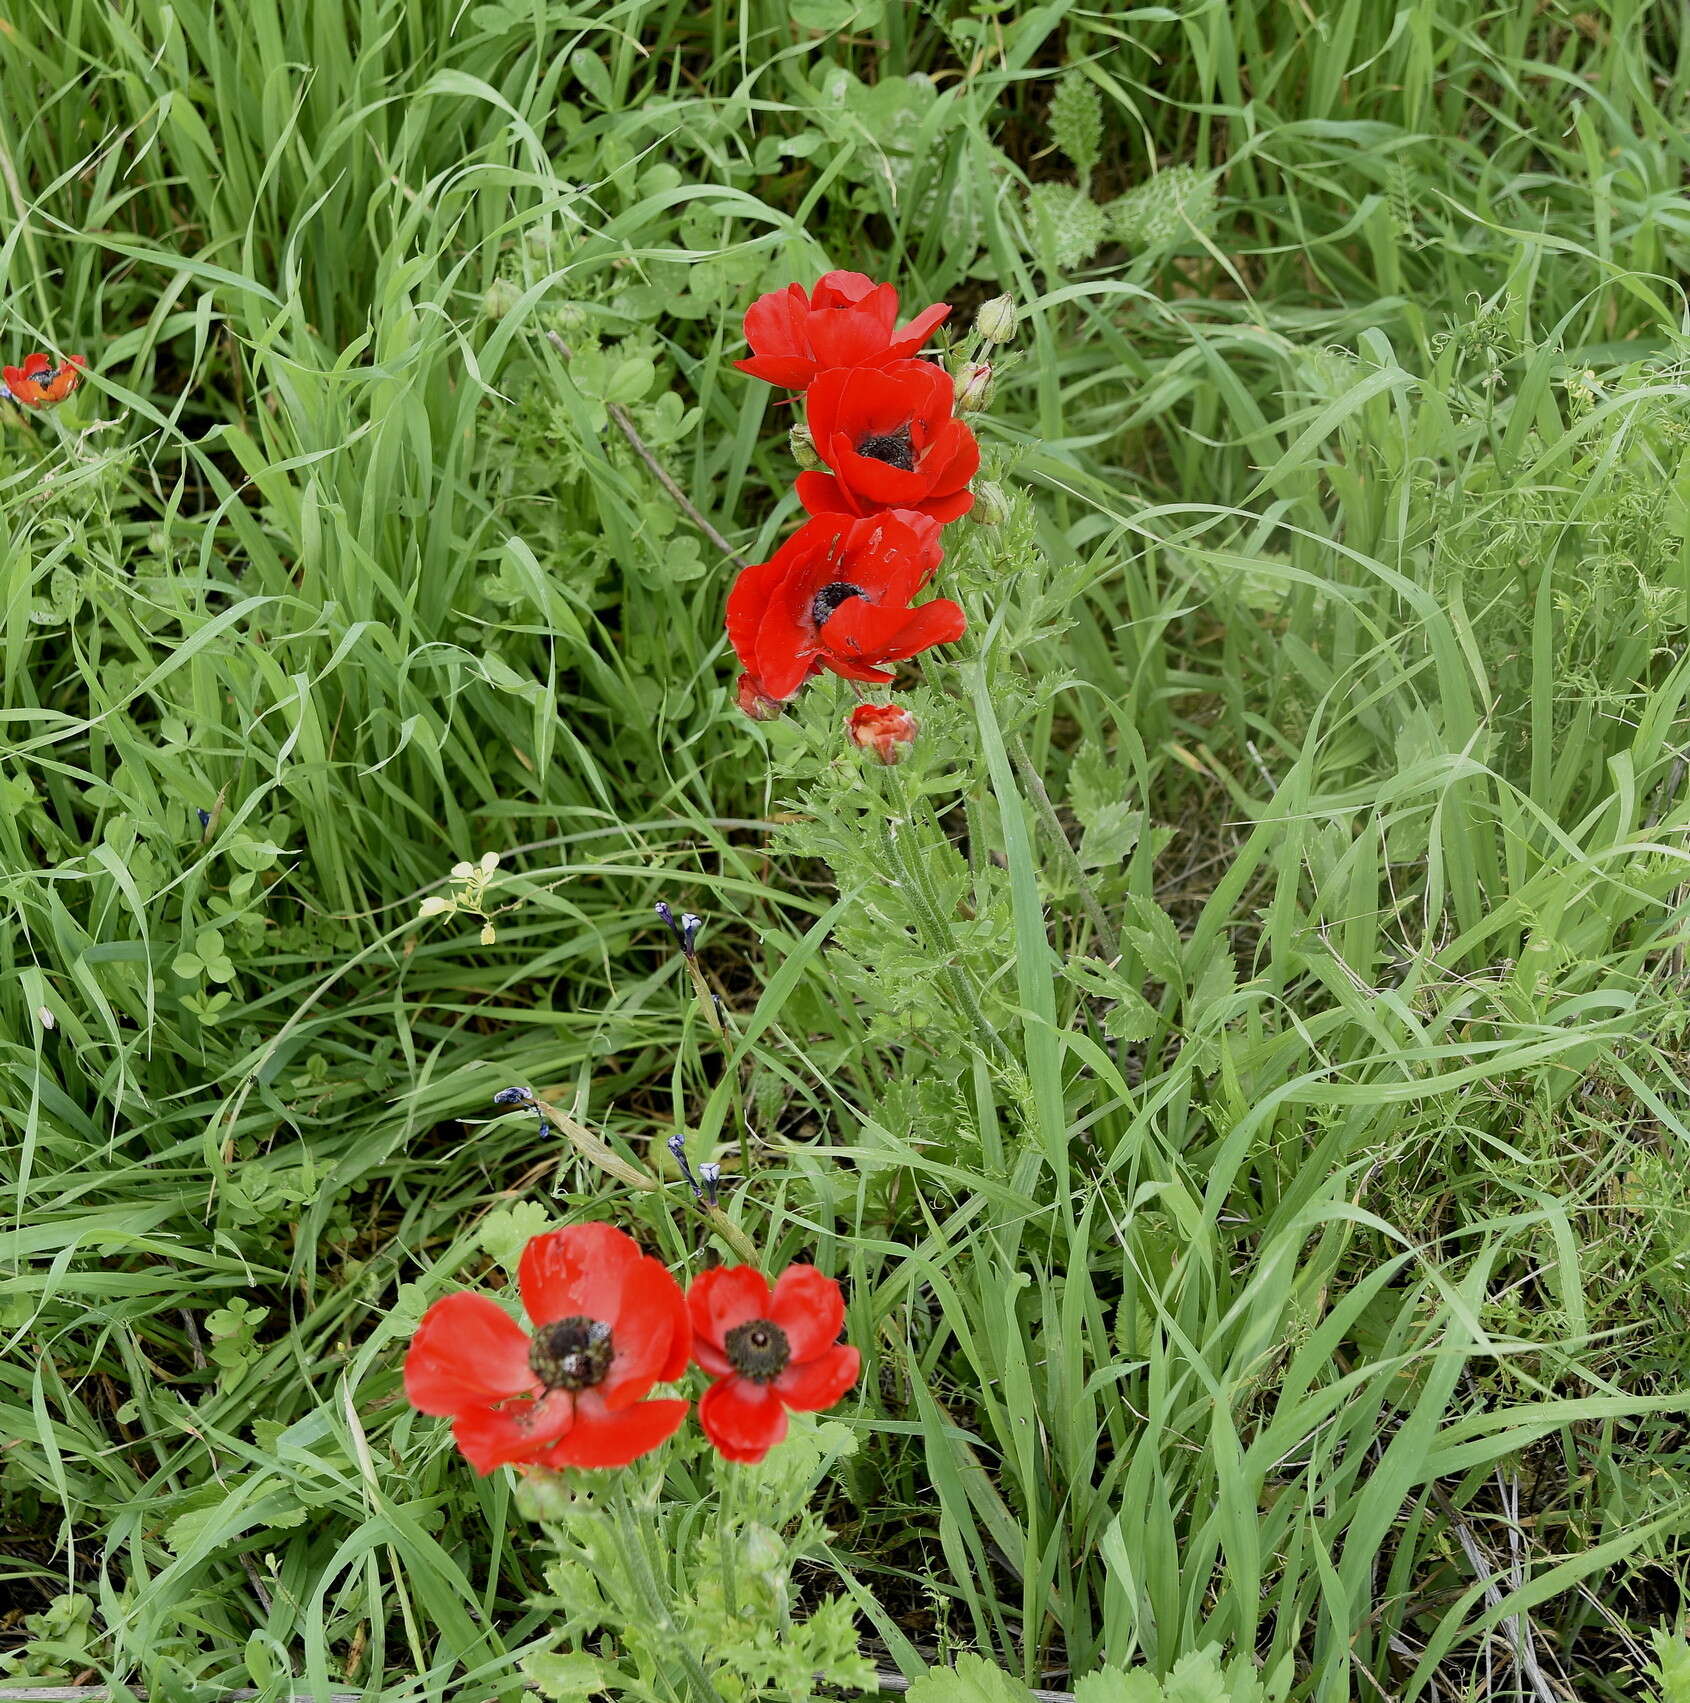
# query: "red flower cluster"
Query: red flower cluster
{"points": [[610, 1324], [837, 594], [38, 381]]}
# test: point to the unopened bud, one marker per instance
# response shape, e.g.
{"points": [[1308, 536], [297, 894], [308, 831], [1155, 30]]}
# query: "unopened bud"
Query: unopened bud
{"points": [[502, 295], [761, 1550], [804, 449], [755, 702], [887, 730], [991, 506], [996, 319], [974, 387]]}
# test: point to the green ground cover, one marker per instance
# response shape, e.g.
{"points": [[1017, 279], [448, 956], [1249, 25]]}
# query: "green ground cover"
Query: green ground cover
{"points": [[1311, 1278]]}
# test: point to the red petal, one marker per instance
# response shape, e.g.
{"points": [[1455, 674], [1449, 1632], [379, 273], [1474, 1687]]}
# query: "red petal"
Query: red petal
{"points": [[648, 1313], [847, 337], [953, 459], [770, 323], [793, 372], [468, 1351], [520, 1431], [859, 632], [810, 1385], [744, 1420], [600, 1438], [946, 509], [880, 399], [821, 493], [680, 1337], [849, 669], [712, 1361], [576, 1272], [748, 602], [720, 1299], [34, 364], [920, 329], [837, 289], [809, 1308], [884, 486]]}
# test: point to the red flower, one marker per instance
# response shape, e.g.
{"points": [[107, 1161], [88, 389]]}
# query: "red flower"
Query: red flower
{"points": [[849, 321], [766, 1353], [836, 595], [888, 730], [609, 1323], [38, 381], [892, 439]]}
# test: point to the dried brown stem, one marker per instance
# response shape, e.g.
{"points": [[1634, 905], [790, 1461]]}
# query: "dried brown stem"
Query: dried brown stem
{"points": [[625, 424]]}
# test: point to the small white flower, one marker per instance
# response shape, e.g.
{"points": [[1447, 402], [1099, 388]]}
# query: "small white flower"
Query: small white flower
{"points": [[489, 862], [462, 871], [435, 906], [48, 1020]]}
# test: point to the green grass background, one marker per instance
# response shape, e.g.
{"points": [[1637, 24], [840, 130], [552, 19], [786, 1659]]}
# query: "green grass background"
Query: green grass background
{"points": [[1314, 1279]]}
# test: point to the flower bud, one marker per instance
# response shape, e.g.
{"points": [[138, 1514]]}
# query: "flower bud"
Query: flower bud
{"points": [[991, 506], [974, 387], [435, 906], [996, 319], [888, 730], [502, 295], [543, 1495], [761, 1550], [755, 702], [804, 449]]}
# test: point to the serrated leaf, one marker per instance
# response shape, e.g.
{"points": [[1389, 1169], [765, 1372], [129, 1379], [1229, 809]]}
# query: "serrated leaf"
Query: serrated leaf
{"points": [[1076, 121], [1154, 938], [1110, 836], [972, 1680], [507, 1231]]}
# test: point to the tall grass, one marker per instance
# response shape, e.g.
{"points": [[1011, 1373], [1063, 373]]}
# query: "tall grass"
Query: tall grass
{"points": [[1313, 1281]]}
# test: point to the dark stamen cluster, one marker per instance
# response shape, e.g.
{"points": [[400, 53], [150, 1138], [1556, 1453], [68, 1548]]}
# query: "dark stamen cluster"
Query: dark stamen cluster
{"points": [[572, 1354], [894, 448], [758, 1350], [830, 597]]}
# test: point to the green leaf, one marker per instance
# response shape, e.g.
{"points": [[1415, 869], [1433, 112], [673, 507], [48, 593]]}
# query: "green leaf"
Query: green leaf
{"points": [[1197, 1677], [972, 1680], [565, 1675], [593, 77], [1076, 121], [1671, 1670], [831, 16], [508, 1230]]}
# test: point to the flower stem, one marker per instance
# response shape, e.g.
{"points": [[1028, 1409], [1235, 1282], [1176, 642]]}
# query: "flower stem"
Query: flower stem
{"points": [[656, 1605], [932, 924], [625, 425], [1070, 859]]}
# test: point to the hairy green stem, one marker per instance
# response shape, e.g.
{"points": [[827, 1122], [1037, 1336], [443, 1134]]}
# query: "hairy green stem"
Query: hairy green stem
{"points": [[1107, 938]]}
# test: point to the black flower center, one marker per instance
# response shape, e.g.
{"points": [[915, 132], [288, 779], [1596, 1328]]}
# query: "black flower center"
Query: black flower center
{"points": [[46, 378], [758, 1350], [829, 598], [894, 448], [573, 1354]]}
